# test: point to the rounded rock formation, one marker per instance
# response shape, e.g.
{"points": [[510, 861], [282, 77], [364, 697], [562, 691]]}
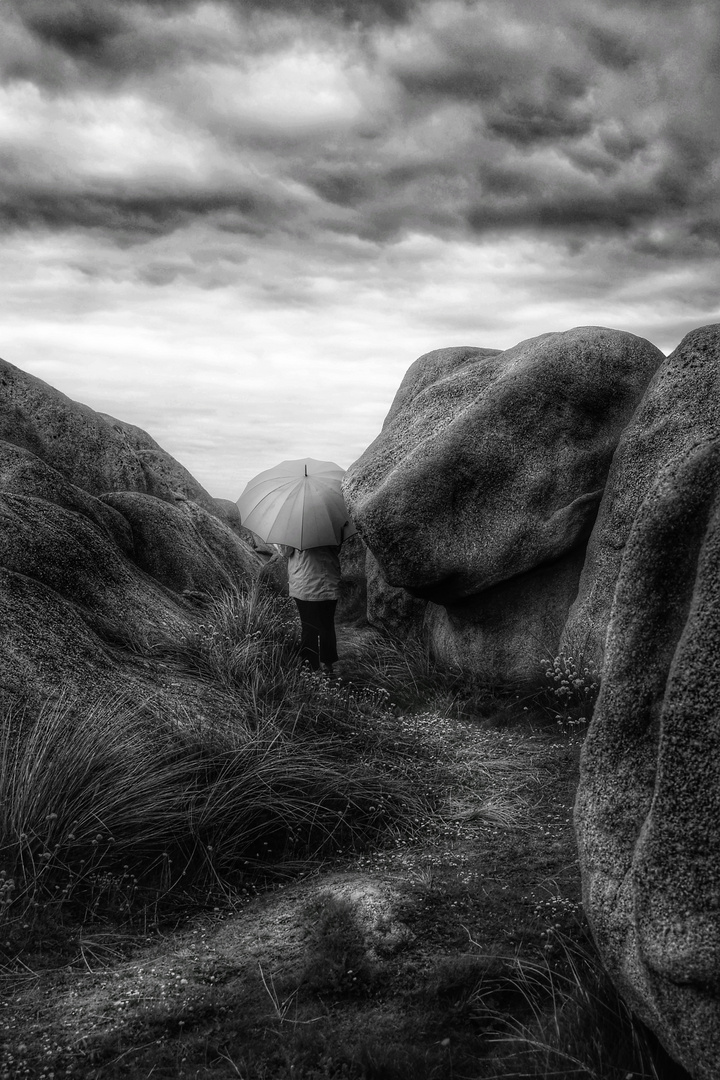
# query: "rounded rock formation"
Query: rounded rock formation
{"points": [[648, 806], [500, 465], [182, 546], [95, 452], [106, 544], [680, 408], [491, 465]]}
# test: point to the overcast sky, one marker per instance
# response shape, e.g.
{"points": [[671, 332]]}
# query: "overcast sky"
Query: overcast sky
{"points": [[237, 223]]}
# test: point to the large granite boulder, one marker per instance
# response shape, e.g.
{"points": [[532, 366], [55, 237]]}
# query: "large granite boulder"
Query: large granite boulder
{"points": [[72, 438], [393, 608], [680, 408], [490, 466], [95, 452], [648, 805], [63, 551], [430, 368], [109, 552]]}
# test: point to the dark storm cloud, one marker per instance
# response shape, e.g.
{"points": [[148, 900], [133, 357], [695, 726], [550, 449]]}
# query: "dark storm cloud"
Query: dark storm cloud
{"points": [[622, 145], [611, 49], [586, 117], [361, 11], [77, 27], [343, 186], [74, 43], [135, 214], [140, 216], [468, 80], [438, 116], [65, 15], [527, 122], [566, 210], [114, 37], [604, 203]]}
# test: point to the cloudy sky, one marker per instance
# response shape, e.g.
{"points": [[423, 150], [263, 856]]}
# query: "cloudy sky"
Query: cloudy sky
{"points": [[236, 223]]}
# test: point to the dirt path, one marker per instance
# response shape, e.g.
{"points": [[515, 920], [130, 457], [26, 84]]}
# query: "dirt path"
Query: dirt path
{"points": [[385, 965]]}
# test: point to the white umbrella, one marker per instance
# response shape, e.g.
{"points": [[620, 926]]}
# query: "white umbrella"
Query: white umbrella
{"points": [[298, 503]]}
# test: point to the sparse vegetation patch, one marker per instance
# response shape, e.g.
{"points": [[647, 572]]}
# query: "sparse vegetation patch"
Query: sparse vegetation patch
{"points": [[369, 878], [107, 808]]}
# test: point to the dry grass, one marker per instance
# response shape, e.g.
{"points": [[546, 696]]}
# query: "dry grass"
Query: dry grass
{"points": [[577, 1026], [102, 801]]}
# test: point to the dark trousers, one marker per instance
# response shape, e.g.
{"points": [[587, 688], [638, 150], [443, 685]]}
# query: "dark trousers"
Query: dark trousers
{"points": [[317, 638]]}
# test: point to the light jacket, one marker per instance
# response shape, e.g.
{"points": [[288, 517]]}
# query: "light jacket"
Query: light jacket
{"points": [[313, 574]]}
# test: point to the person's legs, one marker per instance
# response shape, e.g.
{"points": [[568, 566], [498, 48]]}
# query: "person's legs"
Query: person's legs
{"points": [[309, 633], [327, 638]]}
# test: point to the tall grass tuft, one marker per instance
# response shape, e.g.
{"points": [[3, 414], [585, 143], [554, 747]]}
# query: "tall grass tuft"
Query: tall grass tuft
{"points": [[104, 801], [247, 640], [406, 668], [578, 1028]]}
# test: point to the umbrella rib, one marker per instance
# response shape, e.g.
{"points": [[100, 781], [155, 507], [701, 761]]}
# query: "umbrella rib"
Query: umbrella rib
{"points": [[282, 523], [303, 496], [274, 493]]}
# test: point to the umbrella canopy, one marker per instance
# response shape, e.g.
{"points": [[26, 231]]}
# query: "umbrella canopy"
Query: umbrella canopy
{"points": [[298, 503]]}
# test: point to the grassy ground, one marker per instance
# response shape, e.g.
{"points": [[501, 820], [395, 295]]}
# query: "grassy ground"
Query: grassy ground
{"points": [[393, 894]]}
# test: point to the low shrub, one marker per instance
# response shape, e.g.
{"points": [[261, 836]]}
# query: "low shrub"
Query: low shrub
{"points": [[573, 691], [571, 686]]}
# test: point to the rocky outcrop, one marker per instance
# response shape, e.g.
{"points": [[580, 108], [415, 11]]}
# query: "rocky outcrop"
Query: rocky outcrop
{"points": [[499, 466], [680, 408], [183, 546], [429, 369], [95, 452], [508, 629], [489, 466], [106, 545], [648, 806], [21, 473], [167, 478], [394, 610], [78, 614]]}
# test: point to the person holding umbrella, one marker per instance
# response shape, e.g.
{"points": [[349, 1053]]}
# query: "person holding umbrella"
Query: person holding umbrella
{"points": [[314, 585], [299, 507]]}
